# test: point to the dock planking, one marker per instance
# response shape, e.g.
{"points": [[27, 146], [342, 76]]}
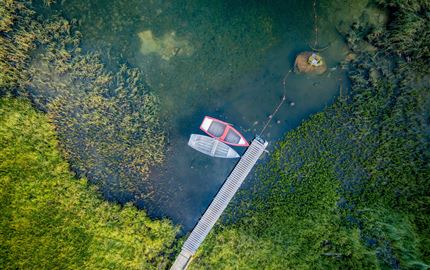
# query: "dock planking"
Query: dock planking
{"points": [[219, 203]]}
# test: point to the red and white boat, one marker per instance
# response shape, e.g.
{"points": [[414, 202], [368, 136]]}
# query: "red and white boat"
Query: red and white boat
{"points": [[223, 131]]}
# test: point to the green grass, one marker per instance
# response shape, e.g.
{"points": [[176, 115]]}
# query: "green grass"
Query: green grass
{"points": [[51, 220]]}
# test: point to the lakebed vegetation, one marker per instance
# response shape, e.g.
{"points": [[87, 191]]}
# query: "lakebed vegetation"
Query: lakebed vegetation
{"points": [[214, 41], [107, 123], [349, 188]]}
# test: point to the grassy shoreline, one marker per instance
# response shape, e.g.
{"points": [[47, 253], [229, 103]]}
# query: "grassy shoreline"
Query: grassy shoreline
{"points": [[52, 220], [107, 128]]}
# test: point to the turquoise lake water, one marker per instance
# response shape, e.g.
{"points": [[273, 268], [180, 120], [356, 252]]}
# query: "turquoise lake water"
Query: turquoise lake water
{"points": [[225, 59]]}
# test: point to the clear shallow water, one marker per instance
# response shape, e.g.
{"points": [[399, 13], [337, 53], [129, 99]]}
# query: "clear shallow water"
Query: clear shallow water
{"points": [[226, 61]]}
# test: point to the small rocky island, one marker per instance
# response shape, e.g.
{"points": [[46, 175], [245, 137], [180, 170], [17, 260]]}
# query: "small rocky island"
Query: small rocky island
{"points": [[310, 62]]}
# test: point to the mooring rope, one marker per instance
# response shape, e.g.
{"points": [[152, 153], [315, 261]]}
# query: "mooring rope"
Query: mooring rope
{"points": [[284, 97], [315, 23], [316, 30]]}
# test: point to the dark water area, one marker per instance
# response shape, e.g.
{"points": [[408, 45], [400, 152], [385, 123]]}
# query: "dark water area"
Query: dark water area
{"points": [[225, 59]]}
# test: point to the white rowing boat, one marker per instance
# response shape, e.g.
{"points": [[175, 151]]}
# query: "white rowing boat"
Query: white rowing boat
{"points": [[211, 146]]}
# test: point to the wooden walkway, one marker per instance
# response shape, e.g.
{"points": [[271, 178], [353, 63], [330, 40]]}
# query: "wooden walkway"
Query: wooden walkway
{"points": [[219, 203]]}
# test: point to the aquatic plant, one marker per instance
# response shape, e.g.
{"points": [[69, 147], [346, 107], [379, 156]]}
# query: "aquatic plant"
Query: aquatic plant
{"points": [[108, 124], [409, 32], [17, 37], [113, 136], [51, 220]]}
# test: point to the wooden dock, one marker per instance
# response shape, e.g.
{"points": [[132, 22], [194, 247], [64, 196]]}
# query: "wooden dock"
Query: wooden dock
{"points": [[219, 203]]}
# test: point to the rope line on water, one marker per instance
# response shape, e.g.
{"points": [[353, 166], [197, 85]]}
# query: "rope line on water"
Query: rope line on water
{"points": [[316, 23], [315, 46], [284, 97]]}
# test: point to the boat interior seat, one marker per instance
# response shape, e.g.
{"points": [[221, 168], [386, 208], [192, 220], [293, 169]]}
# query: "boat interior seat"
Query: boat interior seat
{"points": [[216, 129], [232, 137]]}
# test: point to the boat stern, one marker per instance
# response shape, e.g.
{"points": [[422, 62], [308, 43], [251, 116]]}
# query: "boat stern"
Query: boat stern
{"points": [[206, 124]]}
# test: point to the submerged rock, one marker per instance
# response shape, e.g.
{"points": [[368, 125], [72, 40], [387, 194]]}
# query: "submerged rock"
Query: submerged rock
{"points": [[166, 47], [309, 62]]}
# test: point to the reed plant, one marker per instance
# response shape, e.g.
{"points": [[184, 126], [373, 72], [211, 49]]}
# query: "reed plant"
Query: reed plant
{"points": [[108, 122]]}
